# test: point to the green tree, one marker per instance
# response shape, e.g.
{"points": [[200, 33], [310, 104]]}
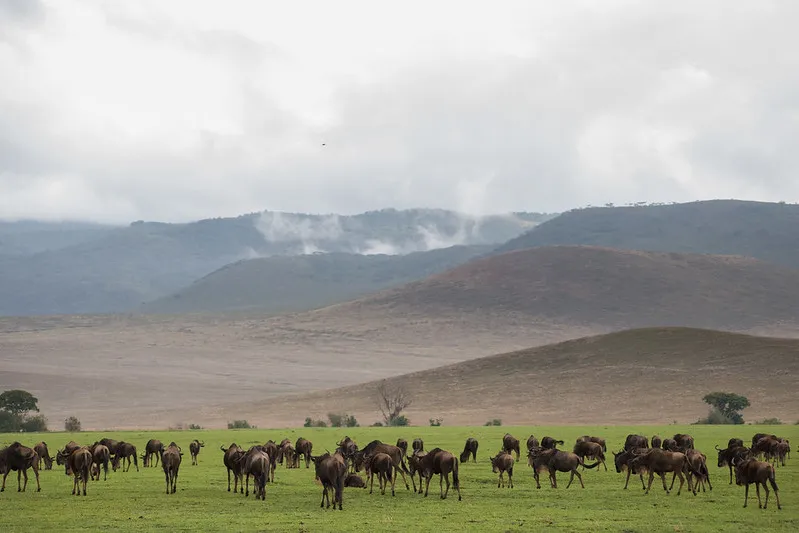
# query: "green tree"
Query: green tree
{"points": [[18, 402], [728, 404]]}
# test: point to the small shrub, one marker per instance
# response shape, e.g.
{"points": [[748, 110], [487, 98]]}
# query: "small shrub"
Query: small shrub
{"points": [[494, 422], [32, 424], [715, 417], [342, 420], [379, 424], [239, 424], [195, 426], [401, 420], [436, 422], [311, 423], [72, 424], [774, 421]]}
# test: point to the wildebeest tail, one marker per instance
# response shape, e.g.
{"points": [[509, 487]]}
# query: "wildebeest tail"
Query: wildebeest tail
{"points": [[455, 482], [591, 465]]}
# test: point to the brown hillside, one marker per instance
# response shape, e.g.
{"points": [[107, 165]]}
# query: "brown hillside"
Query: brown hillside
{"points": [[653, 375], [600, 287]]}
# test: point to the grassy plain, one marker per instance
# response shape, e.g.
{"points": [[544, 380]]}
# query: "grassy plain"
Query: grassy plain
{"points": [[135, 501]]}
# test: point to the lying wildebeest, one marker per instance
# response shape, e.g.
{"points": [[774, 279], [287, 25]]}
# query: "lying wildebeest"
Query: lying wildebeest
{"points": [[101, 456], [44, 455], [381, 464], [697, 462], [304, 447], [270, 448], [398, 460], [194, 449], [355, 481], [418, 445], [153, 448], [79, 464], [751, 471], [331, 471], [597, 440], [125, 452], [170, 462], [257, 465], [532, 442], [470, 448], [670, 445], [510, 444], [549, 443], [591, 450], [656, 441], [732, 453], [660, 462], [61, 455], [20, 458], [441, 462], [635, 441], [413, 468], [111, 444], [501, 463], [402, 444], [684, 442], [232, 458], [554, 461], [622, 461]]}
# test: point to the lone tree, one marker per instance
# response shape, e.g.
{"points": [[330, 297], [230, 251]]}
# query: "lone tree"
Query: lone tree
{"points": [[728, 404], [392, 401], [18, 402]]}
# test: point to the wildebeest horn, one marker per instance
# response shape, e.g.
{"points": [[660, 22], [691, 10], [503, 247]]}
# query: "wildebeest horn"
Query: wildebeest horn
{"points": [[717, 447]]}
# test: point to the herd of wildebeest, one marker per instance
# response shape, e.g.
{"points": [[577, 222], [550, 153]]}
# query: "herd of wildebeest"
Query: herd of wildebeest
{"points": [[340, 469]]}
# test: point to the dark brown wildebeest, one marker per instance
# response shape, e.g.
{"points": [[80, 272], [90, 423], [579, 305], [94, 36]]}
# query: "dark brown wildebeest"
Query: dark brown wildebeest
{"points": [[270, 448], [170, 462], [532, 442], [44, 455], [697, 462], [417, 445], [510, 444], [101, 456], [751, 471], [734, 443], [256, 464], [757, 436], [660, 462], [597, 440], [397, 458], [670, 445], [779, 452], [622, 461], [635, 441], [331, 471], [402, 444], [288, 453], [125, 452], [194, 449], [591, 450], [469, 448], [731, 453], [549, 443], [61, 455], [284, 442], [656, 441], [381, 464], [20, 458], [413, 468], [232, 458], [554, 461], [304, 447], [355, 481], [111, 444], [153, 448], [441, 462], [79, 464], [684, 442], [764, 445], [501, 463]]}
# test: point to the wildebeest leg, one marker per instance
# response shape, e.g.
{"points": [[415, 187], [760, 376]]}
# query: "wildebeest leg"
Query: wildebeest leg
{"points": [[553, 480], [673, 478], [651, 479], [24, 472], [499, 479], [175, 482], [730, 473], [510, 477], [535, 475], [427, 485], [324, 493], [629, 472], [603, 464], [393, 481], [75, 485], [166, 480], [580, 478], [247, 484], [372, 481], [228, 479], [746, 495], [36, 473], [446, 493]]}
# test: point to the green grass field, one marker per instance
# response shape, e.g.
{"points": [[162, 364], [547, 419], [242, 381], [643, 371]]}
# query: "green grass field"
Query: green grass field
{"points": [[135, 501]]}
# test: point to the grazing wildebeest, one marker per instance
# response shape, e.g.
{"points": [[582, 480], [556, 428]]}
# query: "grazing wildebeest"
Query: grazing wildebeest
{"points": [[751, 471], [597, 440], [153, 448], [397, 458], [441, 462], [556, 461], [697, 462], [111, 444], [257, 465], [510, 444], [501, 463], [731, 453], [622, 461], [684, 442], [470, 448], [656, 441], [125, 451], [355, 481], [20, 458], [413, 468], [670, 445], [418, 445], [591, 450], [532, 442], [79, 464], [170, 462], [44, 455], [288, 453], [764, 446], [232, 458], [270, 448], [194, 449], [402, 444], [331, 471], [304, 447], [101, 456], [660, 462], [381, 464], [549, 443], [61, 455], [635, 441]]}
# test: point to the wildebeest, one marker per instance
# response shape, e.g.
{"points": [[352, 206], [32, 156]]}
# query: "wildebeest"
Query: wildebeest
{"points": [[656, 441], [622, 461], [153, 448], [469, 448], [402, 444], [660, 462], [79, 464], [751, 471], [556, 461], [270, 448], [61, 455], [591, 450], [355, 481], [549, 443], [125, 451], [194, 449], [331, 471], [779, 451], [288, 453], [732, 453], [757, 436], [684, 442], [441, 462], [232, 457], [532, 442], [670, 445], [635, 441], [697, 462], [44, 455], [597, 440], [101, 456], [20, 458], [764, 446], [281, 451], [111, 444], [510, 444], [413, 468], [397, 458], [501, 463], [170, 462], [257, 465], [303, 448], [417, 445], [381, 464], [735, 442]]}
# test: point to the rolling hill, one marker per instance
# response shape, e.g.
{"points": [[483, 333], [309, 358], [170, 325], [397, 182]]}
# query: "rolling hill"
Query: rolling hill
{"points": [[640, 376], [762, 230]]}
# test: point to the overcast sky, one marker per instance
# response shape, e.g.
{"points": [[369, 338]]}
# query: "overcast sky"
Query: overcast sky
{"points": [[178, 110]]}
